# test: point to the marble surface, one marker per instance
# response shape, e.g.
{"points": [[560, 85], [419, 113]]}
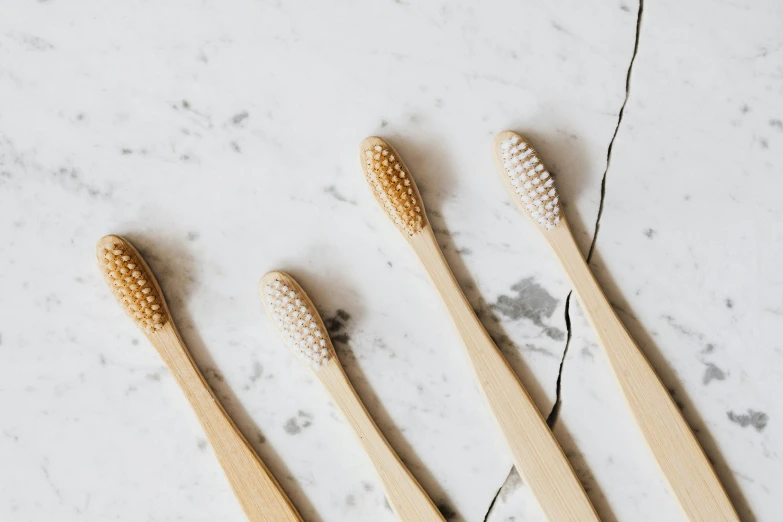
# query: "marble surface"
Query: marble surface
{"points": [[221, 138]]}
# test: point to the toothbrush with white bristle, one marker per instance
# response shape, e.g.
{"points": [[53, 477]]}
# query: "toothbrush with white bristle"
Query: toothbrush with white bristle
{"points": [[535, 452], [303, 331], [678, 453], [139, 295]]}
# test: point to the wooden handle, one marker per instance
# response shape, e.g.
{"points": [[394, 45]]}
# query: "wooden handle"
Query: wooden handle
{"points": [[406, 497], [673, 444], [257, 491], [536, 454]]}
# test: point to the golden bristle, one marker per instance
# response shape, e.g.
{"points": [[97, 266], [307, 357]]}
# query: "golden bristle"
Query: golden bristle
{"points": [[131, 282], [392, 185]]}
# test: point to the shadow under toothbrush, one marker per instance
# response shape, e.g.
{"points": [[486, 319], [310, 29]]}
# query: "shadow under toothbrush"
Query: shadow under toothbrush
{"points": [[172, 266], [430, 167], [394, 436], [668, 376], [593, 490], [321, 293]]}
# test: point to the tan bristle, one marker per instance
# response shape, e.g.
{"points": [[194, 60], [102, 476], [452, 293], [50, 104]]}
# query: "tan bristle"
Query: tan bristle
{"points": [[132, 285], [392, 185], [527, 177], [296, 319]]}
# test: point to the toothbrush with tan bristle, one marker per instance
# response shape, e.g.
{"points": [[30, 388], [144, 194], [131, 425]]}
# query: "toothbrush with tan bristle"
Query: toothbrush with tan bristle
{"points": [[303, 331], [673, 444], [138, 293], [535, 452]]}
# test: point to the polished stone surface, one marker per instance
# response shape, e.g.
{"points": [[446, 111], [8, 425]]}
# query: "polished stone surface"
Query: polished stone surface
{"points": [[221, 138]]}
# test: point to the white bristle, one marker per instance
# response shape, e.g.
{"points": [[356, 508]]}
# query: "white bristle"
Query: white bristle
{"points": [[297, 324], [531, 181]]}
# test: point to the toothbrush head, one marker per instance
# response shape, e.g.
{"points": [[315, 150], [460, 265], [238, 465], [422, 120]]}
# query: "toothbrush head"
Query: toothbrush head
{"points": [[392, 185], [132, 283], [527, 179], [296, 319]]}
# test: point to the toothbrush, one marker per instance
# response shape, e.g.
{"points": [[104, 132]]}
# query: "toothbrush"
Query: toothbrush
{"points": [[673, 444], [536, 454], [303, 331], [138, 293]]}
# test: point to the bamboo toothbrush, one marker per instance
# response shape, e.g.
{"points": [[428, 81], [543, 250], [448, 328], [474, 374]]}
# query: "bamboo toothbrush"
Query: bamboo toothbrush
{"points": [[137, 292], [302, 329], [673, 444], [535, 451]]}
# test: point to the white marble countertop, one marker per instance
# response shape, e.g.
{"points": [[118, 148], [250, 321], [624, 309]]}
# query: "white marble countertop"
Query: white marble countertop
{"points": [[221, 138]]}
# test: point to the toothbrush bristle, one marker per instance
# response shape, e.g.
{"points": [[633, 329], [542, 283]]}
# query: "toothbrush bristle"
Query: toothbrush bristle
{"points": [[133, 287], [530, 181], [296, 319], [392, 185]]}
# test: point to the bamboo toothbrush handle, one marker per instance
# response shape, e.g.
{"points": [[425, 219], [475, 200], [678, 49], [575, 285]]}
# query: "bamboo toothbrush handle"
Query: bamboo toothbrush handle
{"points": [[407, 498], [536, 454], [257, 491], [673, 444]]}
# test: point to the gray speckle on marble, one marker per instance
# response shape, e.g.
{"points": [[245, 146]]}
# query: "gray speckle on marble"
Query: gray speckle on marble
{"points": [[291, 426], [295, 425], [332, 191], [532, 302], [258, 371], [240, 117], [712, 373], [757, 419], [335, 326], [32, 42], [682, 329]]}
